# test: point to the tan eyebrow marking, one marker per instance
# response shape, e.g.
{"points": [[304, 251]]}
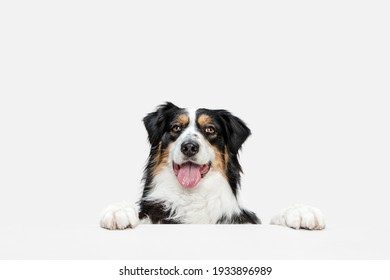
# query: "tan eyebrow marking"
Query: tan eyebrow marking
{"points": [[183, 119], [204, 120]]}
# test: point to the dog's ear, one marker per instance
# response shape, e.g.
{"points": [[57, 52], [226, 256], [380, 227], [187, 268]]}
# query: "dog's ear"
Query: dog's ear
{"points": [[236, 131], [155, 122]]}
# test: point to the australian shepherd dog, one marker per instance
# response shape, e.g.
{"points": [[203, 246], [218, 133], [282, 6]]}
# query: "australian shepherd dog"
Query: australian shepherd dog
{"points": [[192, 175]]}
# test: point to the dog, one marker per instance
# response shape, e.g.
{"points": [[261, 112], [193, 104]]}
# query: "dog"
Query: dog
{"points": [[192, 175]]}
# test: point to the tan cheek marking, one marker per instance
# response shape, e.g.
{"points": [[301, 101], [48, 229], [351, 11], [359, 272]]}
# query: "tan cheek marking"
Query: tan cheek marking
{"points": [[221, 160], [158, 156], [161, 160], [226, 155]]}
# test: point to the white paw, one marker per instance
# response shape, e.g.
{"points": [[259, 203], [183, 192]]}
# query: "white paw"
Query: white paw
{"points": [[119, 216], [300, 216]]}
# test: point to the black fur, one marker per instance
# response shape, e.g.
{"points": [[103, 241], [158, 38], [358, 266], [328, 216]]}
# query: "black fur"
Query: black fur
{"points": [[233, 133], [245, 217], [157, 124], [157, 213]]}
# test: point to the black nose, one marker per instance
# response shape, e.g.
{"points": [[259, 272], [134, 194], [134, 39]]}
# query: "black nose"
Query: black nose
{"points": [[189, 148]]}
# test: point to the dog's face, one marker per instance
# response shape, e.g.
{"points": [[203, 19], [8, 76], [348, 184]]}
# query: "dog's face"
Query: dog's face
{"points": [[194, 142]]}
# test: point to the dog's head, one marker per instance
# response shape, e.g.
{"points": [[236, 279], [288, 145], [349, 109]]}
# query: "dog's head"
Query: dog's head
{"points": [[193, 143]]}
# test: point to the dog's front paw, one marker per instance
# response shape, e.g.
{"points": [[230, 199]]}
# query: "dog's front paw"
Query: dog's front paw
{"points": [[119, 216], [300, 216]]}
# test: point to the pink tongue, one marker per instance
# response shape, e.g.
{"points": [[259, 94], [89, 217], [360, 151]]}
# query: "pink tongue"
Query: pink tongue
{"points": [[189, 175]]}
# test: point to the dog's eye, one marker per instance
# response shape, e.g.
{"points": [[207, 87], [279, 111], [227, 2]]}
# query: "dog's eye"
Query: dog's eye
{"points": [[176, 128], [209, 130]]}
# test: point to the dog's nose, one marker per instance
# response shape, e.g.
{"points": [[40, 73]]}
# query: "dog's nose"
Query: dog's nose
{"points": [[189, 148]]}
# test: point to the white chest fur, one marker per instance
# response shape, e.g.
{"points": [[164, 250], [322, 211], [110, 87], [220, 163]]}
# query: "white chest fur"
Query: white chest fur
{"points": [[211, 199]]}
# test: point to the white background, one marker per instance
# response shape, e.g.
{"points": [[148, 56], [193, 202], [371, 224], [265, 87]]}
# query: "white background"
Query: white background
{"points": [[310, 80]]}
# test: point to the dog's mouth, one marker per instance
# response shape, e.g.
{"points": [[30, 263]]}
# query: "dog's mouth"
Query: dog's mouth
{"points": [[189, 174]]}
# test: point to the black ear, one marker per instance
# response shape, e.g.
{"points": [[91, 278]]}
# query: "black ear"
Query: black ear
{"points": [[155, 122], [237, 131]]}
